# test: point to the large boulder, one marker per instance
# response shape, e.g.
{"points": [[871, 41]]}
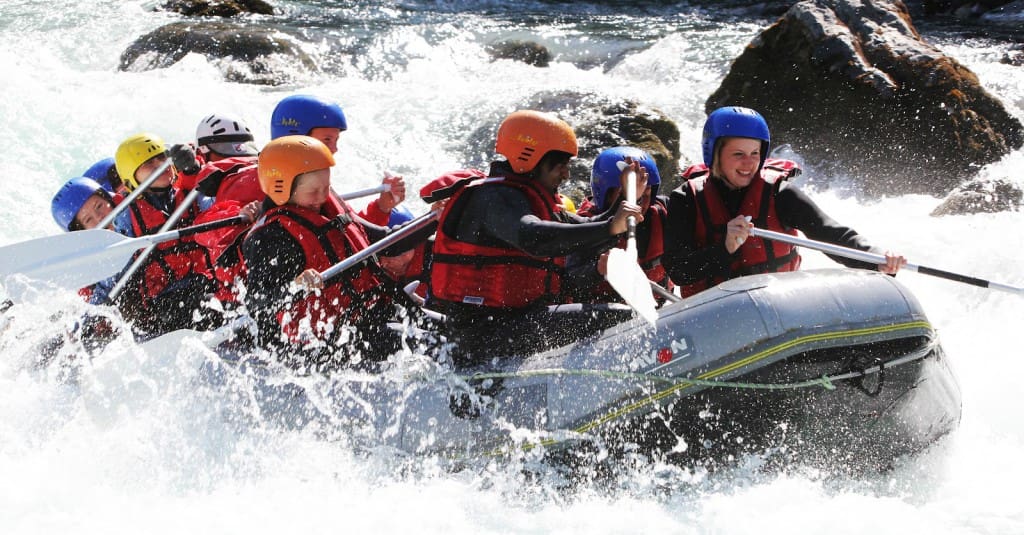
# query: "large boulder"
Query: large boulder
{"points": [[600, 123], [527, 52], [246, 54], [981, 196], [853, 87], [217, 8]]}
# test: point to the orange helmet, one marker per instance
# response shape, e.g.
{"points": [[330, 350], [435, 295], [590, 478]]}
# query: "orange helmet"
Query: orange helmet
{"points": [[287, 157], [525, 136]]}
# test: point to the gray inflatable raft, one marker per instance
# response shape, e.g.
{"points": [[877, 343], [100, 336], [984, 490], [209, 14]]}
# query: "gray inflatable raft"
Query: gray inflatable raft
{"points": [[831, 365]]}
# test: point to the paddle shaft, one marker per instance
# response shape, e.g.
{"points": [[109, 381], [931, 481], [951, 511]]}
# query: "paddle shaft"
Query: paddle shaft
{"points": [[631, 221], [144, 255], [396, 235], [123, 205], [365, 192], [873, 258]]}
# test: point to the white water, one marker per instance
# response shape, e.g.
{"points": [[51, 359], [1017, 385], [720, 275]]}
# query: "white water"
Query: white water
{"points": [[171, 457]]}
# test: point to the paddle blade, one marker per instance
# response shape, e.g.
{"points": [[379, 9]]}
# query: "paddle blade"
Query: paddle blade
{"points": [[630, 281], [72, 260]]}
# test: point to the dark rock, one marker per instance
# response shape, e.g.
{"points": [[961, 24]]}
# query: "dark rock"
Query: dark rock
{"points": [[851, 85], [965, 9], [217, 8], [600, 123], [981, 196], [1010, 15], [255, 55], [525, 51]]}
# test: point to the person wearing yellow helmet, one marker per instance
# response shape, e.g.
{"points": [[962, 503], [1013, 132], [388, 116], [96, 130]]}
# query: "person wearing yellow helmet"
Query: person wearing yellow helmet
{"points": [[169, 290], [502, 242], [306, 231]]}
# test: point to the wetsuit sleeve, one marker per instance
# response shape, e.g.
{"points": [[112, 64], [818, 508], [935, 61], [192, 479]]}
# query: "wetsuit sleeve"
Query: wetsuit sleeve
{"points": [[505, 214], [797, 210], [274, 259], [378, 232], [684, 261]]}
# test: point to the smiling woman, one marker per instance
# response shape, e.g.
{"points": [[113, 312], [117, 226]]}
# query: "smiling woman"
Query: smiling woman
{"points": [[176, 451], [707, 234]]}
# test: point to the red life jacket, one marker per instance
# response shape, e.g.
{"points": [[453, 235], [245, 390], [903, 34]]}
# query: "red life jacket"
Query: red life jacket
{"points": [[174, 260], [494, 276], [650, 243], [326, 238], [756, 255], [234, 179]]}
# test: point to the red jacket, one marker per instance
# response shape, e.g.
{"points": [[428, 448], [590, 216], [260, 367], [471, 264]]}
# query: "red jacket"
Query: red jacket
{"points": [[326, 239], [756, 255], [499, 277]]}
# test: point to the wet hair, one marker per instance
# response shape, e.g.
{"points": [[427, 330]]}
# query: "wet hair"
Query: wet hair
{"points": [[552, 159]]}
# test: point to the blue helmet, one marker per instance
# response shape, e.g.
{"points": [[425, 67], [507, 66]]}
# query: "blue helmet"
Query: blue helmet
{"points": [[298, 114], [400, 215], [104, 172], [605, 174], [734, 121], [70, 199]]}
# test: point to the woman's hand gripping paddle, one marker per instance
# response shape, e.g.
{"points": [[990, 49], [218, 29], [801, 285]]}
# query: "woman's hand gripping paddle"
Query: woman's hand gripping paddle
{"points": [[624, 273], [873, 258]]}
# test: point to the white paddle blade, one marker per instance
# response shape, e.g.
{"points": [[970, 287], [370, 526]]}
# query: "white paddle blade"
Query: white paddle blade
{"points": [[72, 260], [630, 281]]}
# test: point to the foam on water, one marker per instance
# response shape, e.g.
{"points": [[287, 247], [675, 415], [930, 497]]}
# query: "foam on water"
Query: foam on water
{"points": [[149, 445]]}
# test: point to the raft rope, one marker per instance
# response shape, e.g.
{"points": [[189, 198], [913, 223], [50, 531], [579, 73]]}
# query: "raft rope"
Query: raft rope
{"points": [[826, 381]]}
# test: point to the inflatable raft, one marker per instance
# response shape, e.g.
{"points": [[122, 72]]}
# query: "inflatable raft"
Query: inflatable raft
{"points": [[839, 366], [835, 367]]}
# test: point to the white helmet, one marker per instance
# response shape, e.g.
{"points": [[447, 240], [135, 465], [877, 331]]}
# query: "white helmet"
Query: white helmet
{"points": [[226, 136]]}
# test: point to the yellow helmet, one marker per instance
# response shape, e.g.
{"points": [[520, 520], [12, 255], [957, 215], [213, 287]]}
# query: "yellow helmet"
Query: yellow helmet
{"points": [[567, 203], [287, 157], [525, 136], [134, 152]]}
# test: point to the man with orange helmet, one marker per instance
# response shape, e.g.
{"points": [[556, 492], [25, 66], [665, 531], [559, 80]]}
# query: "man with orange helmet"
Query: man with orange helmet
{"points": [[499, 254], [306, 231]]}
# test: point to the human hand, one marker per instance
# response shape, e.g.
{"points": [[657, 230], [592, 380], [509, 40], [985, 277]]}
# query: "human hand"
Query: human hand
{"points": [[893, 263], [394, 196], [602, 264], [620, 222], [250, 211], [309, 280], [183, 156], [736, 232]]}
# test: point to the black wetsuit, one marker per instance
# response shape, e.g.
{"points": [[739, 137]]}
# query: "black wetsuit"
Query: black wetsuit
{"points": [[687, 263], [498, 216]]}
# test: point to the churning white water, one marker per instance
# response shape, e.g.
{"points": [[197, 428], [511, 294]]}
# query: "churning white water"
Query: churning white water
{"points": [[137, 442]]}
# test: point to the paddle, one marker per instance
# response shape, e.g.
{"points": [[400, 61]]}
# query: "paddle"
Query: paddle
{"points": [[873, 258], [624, 273], [365, 192], [77, 259], [172, 220], [664, 292], [396, 235], [123, 205]]}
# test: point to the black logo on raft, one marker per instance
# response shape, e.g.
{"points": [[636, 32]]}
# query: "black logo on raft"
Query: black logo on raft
{"points": [[678, 349]]}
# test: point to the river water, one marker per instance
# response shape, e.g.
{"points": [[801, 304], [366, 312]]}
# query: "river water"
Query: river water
{"points": [[415, 80]]}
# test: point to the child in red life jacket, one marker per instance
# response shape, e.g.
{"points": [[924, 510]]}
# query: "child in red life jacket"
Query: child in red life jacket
{"points": [[707, 235], [311, 322], [171, 290], [605, 182]]}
